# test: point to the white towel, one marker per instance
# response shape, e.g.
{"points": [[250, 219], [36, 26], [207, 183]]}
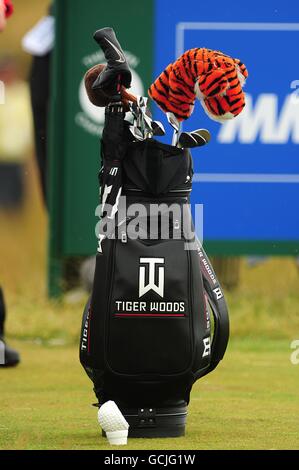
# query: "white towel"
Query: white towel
{"points": [[39, 41]]}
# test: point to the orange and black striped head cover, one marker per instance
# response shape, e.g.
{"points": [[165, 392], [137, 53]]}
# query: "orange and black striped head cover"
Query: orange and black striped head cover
{"points": [[216, 79]]}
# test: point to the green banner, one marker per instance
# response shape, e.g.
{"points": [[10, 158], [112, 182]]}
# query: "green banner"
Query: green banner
{"points": [[76, 124]]}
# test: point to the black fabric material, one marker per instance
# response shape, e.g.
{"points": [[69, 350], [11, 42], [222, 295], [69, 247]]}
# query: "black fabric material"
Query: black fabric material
{"points": [[117, 66], [40, 93], [157, 168], [114, 146], [2, 313], [11, 185], [145, 361]]}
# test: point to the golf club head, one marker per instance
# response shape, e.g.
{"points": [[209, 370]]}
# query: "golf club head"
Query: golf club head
{"points": [[173, 121], [117, 65], [204, 133], [148, 121], [134, 109], [136, 133], [176, 125], [193, 139], [136, 129], [142, 102], [158, 128], [144, 120]]}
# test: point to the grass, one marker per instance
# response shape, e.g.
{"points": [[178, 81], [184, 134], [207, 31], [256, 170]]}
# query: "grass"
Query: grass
{"points": [[249, 402]]}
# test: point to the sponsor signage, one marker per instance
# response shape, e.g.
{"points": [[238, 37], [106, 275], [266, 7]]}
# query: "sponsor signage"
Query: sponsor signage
{"points": [[247, 178]]}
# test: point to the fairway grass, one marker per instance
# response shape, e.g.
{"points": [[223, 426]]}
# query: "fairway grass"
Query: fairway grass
{"points": [[249, 402]]}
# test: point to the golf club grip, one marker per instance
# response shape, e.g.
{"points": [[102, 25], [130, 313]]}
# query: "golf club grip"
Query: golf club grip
{"points": [[109, 44]]}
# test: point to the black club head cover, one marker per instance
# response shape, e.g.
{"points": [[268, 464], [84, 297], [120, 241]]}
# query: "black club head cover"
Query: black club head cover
{"points": [[117, 69]]}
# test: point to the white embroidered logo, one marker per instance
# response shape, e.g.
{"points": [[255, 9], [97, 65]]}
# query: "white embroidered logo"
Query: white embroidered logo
{"points": [[121, 59], [207, 347], [150, 271]]}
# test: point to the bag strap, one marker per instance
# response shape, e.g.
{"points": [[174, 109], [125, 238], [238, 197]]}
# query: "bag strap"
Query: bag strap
{"points": [[219, 310]]}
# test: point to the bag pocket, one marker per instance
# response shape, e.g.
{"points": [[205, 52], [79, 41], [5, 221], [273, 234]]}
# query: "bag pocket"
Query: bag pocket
{"points": [[149, 309]]}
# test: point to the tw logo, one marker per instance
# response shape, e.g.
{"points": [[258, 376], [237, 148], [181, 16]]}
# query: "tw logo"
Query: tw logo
{"points": [[207, 347], [218, 293], [263, 120], [151, 276]]}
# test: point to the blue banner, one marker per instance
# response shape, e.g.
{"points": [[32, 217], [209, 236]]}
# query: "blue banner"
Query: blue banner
{"points": [[247, 178]]}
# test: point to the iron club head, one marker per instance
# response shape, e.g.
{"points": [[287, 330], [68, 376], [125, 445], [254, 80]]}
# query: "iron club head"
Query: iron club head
{"points": [[176, 125], [173, 121], [197, 138], [136, 133], [158, 128]]}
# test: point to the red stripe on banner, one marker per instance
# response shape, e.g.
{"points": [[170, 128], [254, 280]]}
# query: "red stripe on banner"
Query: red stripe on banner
{"points": [[150, 315]]}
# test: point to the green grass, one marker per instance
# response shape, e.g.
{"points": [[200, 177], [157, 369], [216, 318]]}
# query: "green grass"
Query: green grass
{"points": [[249, 402]]}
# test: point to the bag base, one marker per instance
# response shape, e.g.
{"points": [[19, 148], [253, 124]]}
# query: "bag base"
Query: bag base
{"points": [[156, 422]]}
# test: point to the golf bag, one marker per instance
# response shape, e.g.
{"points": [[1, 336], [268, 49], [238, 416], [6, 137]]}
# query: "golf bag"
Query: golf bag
{"points": [[157, 320]]}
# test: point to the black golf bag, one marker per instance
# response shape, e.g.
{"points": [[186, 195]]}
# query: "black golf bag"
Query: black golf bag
{"points": [[157, 319]]}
